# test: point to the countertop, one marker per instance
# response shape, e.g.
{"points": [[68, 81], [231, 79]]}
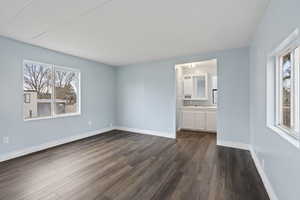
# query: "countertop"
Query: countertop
{"points": [[199, 107]]}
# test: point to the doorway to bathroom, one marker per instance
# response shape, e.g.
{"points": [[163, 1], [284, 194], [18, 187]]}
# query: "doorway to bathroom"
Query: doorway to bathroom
{"points": [[196, 97]]}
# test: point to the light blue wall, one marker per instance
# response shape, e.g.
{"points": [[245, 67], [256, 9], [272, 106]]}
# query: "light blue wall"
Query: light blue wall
{"points": [[146, 97], [282, 160], [142, 96], [146, 94], [98, 95]]}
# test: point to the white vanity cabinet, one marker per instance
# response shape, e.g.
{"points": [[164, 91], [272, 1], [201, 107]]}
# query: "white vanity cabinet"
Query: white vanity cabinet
{"points": [[188, 119], [199, 118], [211, 121]]}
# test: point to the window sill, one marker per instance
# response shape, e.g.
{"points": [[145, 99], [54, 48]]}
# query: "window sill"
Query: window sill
{"points": [[286, 136], [53, 117]]}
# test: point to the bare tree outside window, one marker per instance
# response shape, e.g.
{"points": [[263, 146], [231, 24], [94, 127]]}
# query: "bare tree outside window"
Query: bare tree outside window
{"points": [[37, 85], [283, 89], [37, 77], [52, 90], [66, 91], [286, 90]]}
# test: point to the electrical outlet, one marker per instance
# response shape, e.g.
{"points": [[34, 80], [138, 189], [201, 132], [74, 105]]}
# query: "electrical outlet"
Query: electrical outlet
{"points": [[90, 123], [6, 140]]}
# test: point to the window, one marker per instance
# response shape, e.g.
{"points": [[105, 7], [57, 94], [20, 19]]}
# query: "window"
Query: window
{"points": [[283, 89], [66, 91], [50, 91], [287, 98]]}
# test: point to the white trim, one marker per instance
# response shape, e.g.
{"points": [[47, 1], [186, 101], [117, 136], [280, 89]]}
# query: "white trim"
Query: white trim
{"points": [[292, 41], [285, 135], [279, 94], [296, 87], [147, 132], [236, 145], [198, 130], [52, 117], [51, 144], [274, 91], [263, 176]]}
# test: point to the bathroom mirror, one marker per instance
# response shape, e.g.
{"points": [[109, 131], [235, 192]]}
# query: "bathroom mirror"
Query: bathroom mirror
{"points": [[200, 86]]}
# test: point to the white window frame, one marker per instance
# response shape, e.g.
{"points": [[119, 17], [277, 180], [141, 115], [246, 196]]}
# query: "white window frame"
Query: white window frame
{"points": [[294, 118], [274, 90], [53, 114]]}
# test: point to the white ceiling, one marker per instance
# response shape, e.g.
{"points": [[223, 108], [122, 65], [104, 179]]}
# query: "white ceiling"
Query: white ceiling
{"points": [[121, 32]]}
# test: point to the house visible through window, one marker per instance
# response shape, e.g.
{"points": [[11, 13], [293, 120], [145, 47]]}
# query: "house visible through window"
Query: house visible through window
{"points": [[27, 98], [50, 91], [287, 91]]}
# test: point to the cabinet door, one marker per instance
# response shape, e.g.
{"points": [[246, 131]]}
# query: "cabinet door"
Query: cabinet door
{"points": [[199, 120], [211, 121], [188, 119], [188, 87]]}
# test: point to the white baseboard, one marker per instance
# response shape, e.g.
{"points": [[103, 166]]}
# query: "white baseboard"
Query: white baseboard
{"points": [[263, 176], [147, 132], [236, 145], [47, 145], [195, 130]]}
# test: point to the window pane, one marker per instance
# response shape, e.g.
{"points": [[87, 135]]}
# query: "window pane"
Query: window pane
{"points": [[66, 91], [286, 90], [37, 90]]}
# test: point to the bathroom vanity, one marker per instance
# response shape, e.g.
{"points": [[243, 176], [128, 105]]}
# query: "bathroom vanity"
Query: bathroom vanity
{"points": [[200, 118]]}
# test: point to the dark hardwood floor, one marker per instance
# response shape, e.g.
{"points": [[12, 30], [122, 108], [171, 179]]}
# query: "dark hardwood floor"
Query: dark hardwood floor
{"points": [[121, 165]]}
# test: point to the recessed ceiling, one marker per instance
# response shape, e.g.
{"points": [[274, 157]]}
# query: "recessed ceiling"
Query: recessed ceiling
{"points": [[122, 32]]}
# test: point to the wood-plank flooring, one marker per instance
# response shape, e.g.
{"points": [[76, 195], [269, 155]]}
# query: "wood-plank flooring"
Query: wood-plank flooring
{"points": [[127, 166]]}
